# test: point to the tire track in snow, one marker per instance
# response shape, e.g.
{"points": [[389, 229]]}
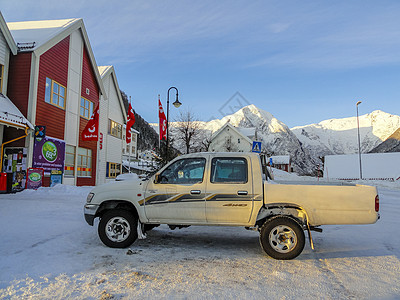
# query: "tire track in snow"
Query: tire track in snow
{"points": [[336, 290]]}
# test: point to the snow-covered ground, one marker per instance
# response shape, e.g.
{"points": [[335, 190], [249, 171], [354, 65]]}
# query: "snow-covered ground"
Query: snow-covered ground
{"points": [[48, 251]]}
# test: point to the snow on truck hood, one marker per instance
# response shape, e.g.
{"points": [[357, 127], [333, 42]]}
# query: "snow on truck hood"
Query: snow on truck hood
{"points": [[130, 184]]}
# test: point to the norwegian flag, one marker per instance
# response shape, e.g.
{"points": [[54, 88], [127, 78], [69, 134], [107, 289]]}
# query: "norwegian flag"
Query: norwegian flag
{"points": [[162, 121], [129, 123], [91, 131]]}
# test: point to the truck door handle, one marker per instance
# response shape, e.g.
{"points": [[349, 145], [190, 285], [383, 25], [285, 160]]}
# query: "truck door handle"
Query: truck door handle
{"points": [[242, 193], [195, 192]]}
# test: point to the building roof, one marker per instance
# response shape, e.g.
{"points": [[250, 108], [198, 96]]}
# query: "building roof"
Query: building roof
{"points": [[281, 159], [109, 70], [31, 35], [7, 35], [249, 132], [215, 134], [40, 36], [10, 114]]}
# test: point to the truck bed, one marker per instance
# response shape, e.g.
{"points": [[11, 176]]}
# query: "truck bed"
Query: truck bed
{"points": [[328, 203]]}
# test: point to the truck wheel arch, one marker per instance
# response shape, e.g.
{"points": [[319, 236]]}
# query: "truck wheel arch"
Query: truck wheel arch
{"points": [[293, 211], [116, 204]]}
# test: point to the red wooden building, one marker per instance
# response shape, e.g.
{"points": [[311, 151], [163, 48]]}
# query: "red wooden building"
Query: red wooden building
{"points": [[54, 81]]}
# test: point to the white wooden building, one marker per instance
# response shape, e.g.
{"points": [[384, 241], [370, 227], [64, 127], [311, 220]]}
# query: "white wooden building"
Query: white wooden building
{"points": [[112, 128], [231, 139]]}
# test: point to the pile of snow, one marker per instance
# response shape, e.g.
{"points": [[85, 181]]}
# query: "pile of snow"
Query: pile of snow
{"points": [[48, 251], [127, 176]]}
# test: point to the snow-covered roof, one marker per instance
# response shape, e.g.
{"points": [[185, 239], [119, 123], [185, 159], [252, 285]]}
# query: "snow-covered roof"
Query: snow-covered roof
{"points": [[31, 35], [109, 71], [215, 134], [249, 132], [7, 35], [281, 159], [373, 166], [10, 114], [39, 36]]}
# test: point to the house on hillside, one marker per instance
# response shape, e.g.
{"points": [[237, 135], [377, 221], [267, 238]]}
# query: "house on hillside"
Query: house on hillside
{"points": [[281, 162], [112, 142], [232, 139], [374, 166], [54, 81]]}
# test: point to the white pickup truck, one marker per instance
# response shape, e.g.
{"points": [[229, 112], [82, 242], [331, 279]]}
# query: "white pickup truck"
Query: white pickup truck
{"points": [[227, 189]]}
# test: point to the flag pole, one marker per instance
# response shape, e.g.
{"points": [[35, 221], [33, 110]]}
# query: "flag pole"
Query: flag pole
{"points": [[159, 133], [130, 132]]}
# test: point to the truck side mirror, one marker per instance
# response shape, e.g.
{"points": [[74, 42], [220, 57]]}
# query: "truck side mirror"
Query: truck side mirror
{"points": [[156, 178]]}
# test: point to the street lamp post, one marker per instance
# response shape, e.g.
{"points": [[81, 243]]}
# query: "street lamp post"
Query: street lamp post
{"points": [[176, 104], [359, 144]]}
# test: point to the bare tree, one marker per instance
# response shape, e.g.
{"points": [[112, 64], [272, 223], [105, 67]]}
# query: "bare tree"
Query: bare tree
{"points": [[187, 129], [206, 140]]}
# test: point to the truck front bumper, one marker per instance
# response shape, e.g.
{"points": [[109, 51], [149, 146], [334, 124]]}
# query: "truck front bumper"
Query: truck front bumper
{"points": [[90, 213]]}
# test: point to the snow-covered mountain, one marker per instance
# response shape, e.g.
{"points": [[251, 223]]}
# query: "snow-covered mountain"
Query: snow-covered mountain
{"points": [[339, 136], [306, 143], [391, 144], [276, 137]]}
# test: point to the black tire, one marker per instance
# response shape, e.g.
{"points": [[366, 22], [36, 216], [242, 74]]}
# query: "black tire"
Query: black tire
{"points": [[118, 228], [282, 238]]}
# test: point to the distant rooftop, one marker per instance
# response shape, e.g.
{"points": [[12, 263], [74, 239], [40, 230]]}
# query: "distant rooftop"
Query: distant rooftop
{"points": [[103, 70]]}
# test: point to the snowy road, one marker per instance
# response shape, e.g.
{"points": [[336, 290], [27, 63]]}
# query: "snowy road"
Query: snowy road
{"points": [[47, 251]]}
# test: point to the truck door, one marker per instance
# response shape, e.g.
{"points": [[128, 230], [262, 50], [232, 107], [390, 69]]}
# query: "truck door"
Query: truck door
{"points": [[178, 193], [229, 191]]}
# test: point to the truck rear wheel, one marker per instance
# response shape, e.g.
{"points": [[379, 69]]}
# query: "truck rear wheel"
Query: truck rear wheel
{"points": [[118, 228], [282, 238]]}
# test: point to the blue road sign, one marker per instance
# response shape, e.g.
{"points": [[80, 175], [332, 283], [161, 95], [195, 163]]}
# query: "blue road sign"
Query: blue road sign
{"points": [[256, 147]]}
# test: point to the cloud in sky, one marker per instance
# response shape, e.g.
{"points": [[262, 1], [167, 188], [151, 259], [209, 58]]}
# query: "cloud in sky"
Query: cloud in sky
{"points": [[303, 34], [293, 51]]}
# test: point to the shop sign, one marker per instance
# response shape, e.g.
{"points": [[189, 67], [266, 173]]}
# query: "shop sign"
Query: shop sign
{"points": [[49, 154], [34, 178]]}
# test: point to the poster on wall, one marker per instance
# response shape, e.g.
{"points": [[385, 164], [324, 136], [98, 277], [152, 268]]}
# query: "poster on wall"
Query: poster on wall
{"points": [[49, 154], [34, 178], [55, 178]]}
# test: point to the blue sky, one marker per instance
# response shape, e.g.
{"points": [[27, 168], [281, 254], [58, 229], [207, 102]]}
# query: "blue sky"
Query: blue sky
{"points": [[303, 61]]}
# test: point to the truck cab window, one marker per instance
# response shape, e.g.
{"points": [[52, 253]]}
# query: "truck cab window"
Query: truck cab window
{"points": [[184, 171], [228, 170]]}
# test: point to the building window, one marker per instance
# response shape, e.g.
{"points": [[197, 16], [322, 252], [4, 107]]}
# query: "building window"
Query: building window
{"points": [[113, 170], [69, 169], [84, 162], [1, 77], [55, 93], [86, 108], [115, 129]]}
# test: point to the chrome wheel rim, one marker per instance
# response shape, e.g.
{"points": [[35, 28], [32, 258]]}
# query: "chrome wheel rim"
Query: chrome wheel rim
{"points": [[282, 239], [118, 229]]}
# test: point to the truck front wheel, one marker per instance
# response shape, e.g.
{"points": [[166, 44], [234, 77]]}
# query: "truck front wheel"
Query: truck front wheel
{"points": [[282, 238], [117, 228]]}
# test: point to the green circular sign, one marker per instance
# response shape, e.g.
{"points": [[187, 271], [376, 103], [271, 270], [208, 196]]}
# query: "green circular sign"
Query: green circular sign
{"points": [[35, 177], [49, 151]]}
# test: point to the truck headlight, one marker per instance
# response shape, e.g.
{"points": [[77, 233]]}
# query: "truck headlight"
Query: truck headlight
{"points": [[89, 197]]}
